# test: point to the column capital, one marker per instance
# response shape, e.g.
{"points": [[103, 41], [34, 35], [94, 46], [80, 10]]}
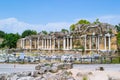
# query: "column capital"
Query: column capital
{"points": [[23, 38], [108, 34]]}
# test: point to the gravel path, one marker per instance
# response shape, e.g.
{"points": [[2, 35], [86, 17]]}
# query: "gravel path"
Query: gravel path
{"points": [[9, 68]]}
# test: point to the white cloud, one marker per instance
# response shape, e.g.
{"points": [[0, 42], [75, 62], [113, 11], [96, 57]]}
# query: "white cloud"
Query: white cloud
{"points": [[111, 19], [12, 25]]}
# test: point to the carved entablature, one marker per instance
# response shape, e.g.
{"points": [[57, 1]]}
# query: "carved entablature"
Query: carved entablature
{"points": [[89, 29], [58, 35], [93, 29]]}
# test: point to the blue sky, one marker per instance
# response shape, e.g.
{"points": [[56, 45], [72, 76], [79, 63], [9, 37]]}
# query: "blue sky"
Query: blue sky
{"points": [[53, 15]]}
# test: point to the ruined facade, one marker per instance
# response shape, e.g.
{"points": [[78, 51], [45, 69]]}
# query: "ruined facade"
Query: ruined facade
{"points": [[86, 37]]}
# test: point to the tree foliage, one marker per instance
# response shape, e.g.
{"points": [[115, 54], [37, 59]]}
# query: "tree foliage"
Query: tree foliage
{"points": [[82, 21], [96, 21], [64, 30], [10, 40], [118, 35], [2, 34], [72, 27], [117, 27], [44, 32], [118, 38], [51, 32], [28, 33]]}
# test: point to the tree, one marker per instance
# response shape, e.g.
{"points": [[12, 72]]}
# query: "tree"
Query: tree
{"points": [[10, 40], [96, 21], [28, 33], [118, 39], [2, 34], [72, 27], [118, 43], [64, 30], [118, 36], [45, 32], [82, 21], [117, 27], [51, 32]]}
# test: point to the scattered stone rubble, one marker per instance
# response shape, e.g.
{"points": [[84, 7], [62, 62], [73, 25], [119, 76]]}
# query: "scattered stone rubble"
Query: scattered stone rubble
{"points": [[43, 71], [54, 71]]}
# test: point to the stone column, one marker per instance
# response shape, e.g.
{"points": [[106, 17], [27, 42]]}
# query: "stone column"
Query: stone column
{"points": [[45, 43], [38, 43], [64, 43], [50, 43], [105, 42], [24, 43], [67, 43], [58, 44], [30, 44], [21, 43], [71, 42], [109, 43], [98, 42], [85, 42], [90, 42], [42, 43], [54, 43], [35, 43]]}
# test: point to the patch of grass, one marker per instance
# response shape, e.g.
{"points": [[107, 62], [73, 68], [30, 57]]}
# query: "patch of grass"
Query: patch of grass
{"points": [[69, 73], [115, 60], [47, 64], [85, 78], [22, 62]]}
